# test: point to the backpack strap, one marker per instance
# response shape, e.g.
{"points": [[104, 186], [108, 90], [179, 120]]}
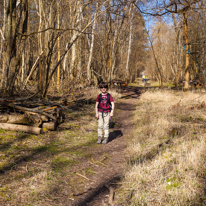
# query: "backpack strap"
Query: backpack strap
{"points": [[100, 99], [108, 98], [108, 101]]}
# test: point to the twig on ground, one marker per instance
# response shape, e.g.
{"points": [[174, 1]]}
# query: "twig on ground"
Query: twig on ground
{"points": [[49, 108], [102, 163], [111, 194], [26, 168], [99, 162], [84, 176], [102, 159], [81, 193], [94, 164]]}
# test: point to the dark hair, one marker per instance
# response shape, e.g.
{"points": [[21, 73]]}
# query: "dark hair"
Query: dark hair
{"points": [[103, 84]]}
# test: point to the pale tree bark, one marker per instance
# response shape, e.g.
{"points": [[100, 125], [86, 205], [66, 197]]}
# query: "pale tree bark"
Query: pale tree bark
{"points": [[73, 58], [177, 51], [40, 47], [131, 12], [40, 26], [113, 57], [50, 42], [3, 38], [65, 66], [79, 66], [105, 44], [74, 11], [91, 47], [115, 47], [103, 51], [46, 40], [22, 68]]}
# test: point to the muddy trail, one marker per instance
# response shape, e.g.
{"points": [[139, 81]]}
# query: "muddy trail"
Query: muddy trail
{"points": [[67, 167]]}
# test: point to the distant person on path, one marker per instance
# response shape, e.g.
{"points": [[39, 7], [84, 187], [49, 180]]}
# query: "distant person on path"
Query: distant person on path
{"points": [[104, 110], [144, 78]]}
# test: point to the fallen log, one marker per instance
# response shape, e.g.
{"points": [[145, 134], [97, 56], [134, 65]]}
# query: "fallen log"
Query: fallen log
{"points": [[35, 120], [51, 126], [3, 118], [18, 119], [43, 118], [16, 127], [24, 119]]}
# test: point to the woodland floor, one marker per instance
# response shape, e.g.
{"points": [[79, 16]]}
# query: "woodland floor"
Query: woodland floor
{"points": [[66, 167], [108, 174]]}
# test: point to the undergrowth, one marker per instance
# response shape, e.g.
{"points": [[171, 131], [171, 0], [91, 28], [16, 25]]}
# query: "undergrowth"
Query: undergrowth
{"points": [[166, 160]]}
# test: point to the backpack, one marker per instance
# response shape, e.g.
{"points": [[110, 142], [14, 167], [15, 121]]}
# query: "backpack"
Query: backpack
{"points": [[108, 101]]}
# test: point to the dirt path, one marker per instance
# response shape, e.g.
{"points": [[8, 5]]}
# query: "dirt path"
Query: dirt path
{"points": [[112, 170], [66, 167]]}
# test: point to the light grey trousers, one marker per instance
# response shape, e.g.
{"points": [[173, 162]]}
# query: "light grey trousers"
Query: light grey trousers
{"points": [[103, 123]]}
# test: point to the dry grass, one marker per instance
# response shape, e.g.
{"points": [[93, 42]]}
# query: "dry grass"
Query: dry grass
{"points": [[166, 159]]}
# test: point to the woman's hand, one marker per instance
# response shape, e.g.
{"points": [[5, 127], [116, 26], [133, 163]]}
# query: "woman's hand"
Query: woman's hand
{"points": [[97, 116]]}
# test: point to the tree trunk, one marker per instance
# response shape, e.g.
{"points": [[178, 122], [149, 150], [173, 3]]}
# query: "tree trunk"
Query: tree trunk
{"points": [[187, 62], [58, 48], [156, 62], [40, 74], [2, 40], [130, 42], [73, 34], [177, 73], [91, 47], [79, 66], [10, 48], [40, 80], [115, 48]]}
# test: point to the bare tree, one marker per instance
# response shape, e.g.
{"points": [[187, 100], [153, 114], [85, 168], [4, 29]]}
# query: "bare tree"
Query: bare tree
{"points": [[130, 40], [163, 7]]}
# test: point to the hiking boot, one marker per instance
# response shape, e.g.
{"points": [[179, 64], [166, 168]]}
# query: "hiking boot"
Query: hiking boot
{"points": [[105, 140], [99, 140]]}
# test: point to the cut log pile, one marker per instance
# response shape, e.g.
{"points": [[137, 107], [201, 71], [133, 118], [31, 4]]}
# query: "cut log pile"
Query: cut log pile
{"points": [[35, 116], [30, 116]]}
